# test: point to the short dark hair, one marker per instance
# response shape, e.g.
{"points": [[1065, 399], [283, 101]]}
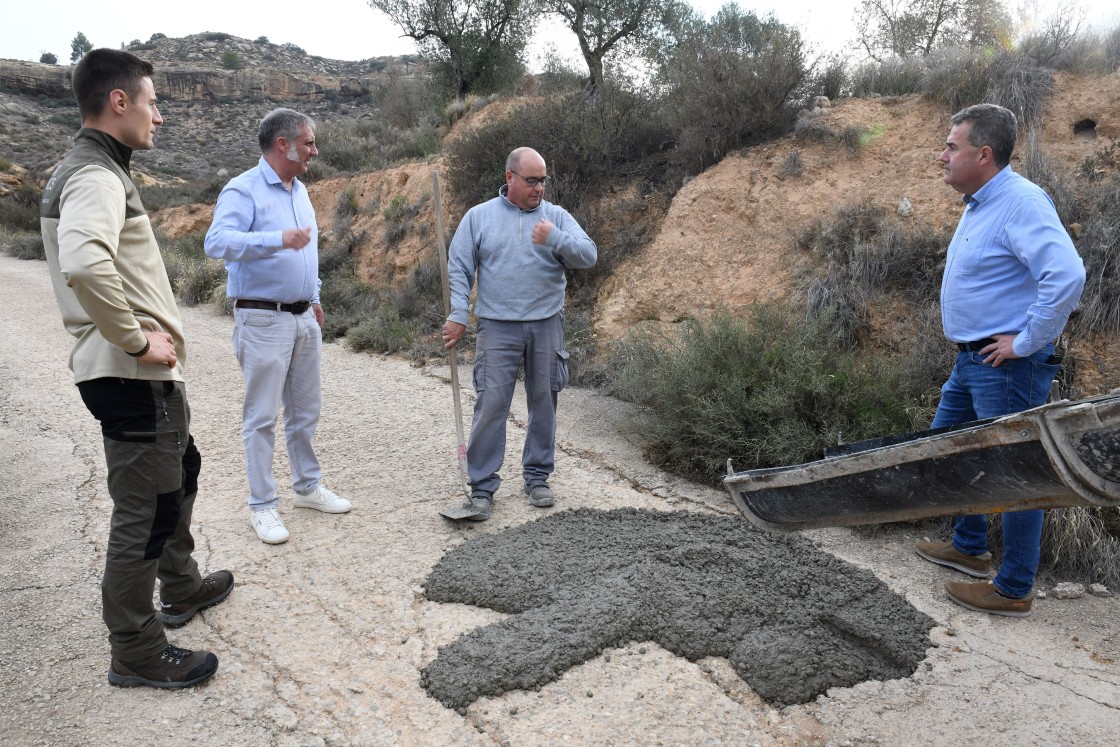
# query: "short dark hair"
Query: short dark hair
{"points": [[284, 123], [102, 71], [993, 126]]}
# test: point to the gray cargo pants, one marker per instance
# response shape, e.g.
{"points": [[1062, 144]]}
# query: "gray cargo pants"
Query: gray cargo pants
{"points": [[500, 349], [153, 478]]}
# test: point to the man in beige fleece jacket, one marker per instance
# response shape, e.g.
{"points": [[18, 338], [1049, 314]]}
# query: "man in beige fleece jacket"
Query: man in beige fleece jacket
{"points": [[112, 288]]}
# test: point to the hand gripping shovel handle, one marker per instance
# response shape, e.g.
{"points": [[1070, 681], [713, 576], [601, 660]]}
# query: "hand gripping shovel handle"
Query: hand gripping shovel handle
{"points": [[452, 354]]}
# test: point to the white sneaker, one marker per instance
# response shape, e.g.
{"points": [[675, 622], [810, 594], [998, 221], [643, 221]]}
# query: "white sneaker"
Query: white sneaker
{"points": [[322, 499], [270, 527]]}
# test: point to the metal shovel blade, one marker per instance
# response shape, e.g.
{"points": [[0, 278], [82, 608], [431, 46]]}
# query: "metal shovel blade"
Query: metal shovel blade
{"points": [[460, 512]]}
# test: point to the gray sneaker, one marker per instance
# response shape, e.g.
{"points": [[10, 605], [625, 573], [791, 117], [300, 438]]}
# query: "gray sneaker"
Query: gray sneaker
{"points": [[540, 496], [943, 553]]}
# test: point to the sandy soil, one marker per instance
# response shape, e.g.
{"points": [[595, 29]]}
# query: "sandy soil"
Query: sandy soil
{"points": [[324, 638]]}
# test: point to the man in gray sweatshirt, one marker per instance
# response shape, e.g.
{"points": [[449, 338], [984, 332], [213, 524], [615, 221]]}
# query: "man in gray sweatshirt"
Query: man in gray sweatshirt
{"points": [[519, 246]]}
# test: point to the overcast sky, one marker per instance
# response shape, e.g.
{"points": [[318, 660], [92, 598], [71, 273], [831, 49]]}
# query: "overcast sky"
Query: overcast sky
{"points": [[340, 29]]}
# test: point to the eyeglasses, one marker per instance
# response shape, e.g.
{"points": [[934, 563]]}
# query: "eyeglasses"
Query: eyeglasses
{"points": [[533, 181]]}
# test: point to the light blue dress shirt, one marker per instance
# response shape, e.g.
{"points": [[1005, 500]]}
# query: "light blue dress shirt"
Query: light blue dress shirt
{"points": [[253, 211], [1011, 267]]}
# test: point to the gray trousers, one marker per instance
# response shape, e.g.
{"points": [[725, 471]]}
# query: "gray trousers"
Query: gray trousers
{"points": [[153, 479], [279, 355], [501, 348]]}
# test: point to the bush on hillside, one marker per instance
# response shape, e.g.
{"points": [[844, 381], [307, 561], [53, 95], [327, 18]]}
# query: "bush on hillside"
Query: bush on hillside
{"points": [[19, 211], [587, 143], [958, 78], [732, 82], [894, 76], [768, 390], [370, 145]]}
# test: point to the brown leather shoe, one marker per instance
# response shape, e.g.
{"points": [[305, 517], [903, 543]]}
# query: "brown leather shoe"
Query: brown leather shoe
{"points": [[984, 597], [170, 669], [943, 553], [214, 589]]}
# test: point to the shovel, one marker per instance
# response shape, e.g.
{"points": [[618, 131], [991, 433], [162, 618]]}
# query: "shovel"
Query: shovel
{"points": [[462, 511]]}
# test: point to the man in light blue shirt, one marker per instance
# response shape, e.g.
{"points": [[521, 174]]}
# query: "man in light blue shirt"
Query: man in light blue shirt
{"points": [[264, 228], [1012, 278]]}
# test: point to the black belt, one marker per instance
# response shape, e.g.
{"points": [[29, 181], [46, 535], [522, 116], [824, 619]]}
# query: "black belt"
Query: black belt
{"points": [[972, 347], [976, 345], [293, 308]]}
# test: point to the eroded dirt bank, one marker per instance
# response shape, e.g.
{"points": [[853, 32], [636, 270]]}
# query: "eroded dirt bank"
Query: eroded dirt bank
{"points": [[324, 638]]}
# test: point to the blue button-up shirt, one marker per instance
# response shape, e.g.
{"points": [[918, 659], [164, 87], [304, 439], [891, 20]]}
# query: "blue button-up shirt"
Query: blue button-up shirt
{"points": [[1011, 267], [253, 211]]}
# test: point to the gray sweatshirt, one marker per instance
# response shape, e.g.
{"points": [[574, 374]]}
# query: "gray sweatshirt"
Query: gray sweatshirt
{"points": [[517, 279]]}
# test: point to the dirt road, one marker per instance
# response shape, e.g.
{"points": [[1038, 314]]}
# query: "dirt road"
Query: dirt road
{"points": [[323, 639]]}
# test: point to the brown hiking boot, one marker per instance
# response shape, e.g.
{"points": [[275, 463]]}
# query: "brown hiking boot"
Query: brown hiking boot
{"points": [[984, 597], [943, 553], [170, 669], [214, 589]]}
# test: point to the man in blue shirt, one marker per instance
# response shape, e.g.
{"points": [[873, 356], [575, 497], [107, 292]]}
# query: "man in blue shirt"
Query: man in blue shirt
{"points": [[1012, 278], [264, 228]]}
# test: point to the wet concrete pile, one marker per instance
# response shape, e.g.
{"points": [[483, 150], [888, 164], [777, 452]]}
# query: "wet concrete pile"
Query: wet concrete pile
{"points": [[792, 620]]}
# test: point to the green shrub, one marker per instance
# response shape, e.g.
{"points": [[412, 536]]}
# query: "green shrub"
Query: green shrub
{"points": [[231, 60], [195, 278], [587, 143], [730, 83], [792, 165], [894, 76], [383, 332], [398, 215], [22, 245], [768, 390], [351, 147], [1099, 247], [19, 211], [830, 77], [958, 78]]}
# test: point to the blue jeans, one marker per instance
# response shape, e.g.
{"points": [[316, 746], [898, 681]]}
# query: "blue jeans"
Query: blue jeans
{"points": [[974, 391]]}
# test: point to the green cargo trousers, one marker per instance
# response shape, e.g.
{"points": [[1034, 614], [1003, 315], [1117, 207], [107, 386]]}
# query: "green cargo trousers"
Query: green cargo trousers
{"points": [[153, 470]]}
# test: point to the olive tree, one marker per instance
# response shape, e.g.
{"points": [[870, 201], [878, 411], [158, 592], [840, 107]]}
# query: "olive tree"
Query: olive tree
{"points": [[602, 26], [730, 82], [475, 45], [909, 28]]}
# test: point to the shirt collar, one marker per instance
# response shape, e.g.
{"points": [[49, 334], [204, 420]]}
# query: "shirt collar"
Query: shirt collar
{"points": [[272, 177], [989, 187], [119, 152], [503, 192]]}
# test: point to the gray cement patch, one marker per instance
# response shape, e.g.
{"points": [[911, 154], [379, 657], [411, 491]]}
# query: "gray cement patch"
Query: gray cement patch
{"points": [[792, 620]]}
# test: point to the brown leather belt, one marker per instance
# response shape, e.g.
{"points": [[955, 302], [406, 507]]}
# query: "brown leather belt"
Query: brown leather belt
{"points": [[292, 308]]}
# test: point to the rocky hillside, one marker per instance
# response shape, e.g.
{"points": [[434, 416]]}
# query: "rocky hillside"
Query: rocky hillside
{"points": [[213, 88]]}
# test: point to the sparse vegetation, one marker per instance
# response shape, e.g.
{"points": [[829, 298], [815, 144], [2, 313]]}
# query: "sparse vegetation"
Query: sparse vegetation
{"points": [[231, 60], [766, 390]]}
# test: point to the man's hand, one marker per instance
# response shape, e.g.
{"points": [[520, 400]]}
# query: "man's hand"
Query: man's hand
{"points": [[161, 348], [452, 333], [297, 238], [1000, 350], [542, 230], [317, 310]]}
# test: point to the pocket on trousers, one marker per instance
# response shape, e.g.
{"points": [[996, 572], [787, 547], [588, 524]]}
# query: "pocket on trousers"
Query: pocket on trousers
{"points": [[560, 371], [259, 319], [478, 371]]}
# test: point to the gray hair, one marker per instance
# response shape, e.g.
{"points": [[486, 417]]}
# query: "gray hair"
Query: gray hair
{"points": [[993, 126], [284, 123]]}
